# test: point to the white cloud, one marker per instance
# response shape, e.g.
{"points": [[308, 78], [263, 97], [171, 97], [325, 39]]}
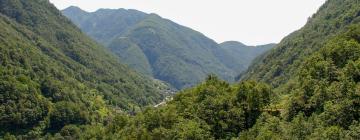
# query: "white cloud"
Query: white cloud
{"points": [[249, 21]]}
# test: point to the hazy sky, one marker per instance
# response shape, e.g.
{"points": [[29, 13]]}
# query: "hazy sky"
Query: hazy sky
{"points": [[252, 22]]}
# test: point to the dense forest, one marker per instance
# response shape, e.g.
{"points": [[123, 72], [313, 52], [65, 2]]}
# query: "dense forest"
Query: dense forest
{"points": [[162, 48], [54, 86], [280, 65], [244, 54], [52, 75]]}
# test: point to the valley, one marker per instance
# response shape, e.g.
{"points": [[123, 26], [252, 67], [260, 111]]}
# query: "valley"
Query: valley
{"points": [[126, 74], [162, 49]]}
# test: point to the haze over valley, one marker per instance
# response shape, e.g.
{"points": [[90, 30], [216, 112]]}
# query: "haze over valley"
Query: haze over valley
{"points": [[117, 73], [162, 49]]}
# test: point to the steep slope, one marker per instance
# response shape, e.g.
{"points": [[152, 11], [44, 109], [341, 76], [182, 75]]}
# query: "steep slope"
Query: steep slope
{"points": [[130, 53], [177, 54], [159, 47], [324, 105], [104, 25], [279, 65], [51, 74], [243, 54], [324, 101]]}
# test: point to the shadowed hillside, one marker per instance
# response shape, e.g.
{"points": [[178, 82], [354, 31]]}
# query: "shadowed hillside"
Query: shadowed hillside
{"points": [[161, 48]]}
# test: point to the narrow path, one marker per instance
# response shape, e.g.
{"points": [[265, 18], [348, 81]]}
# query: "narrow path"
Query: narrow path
{"points": [[167, 99]]}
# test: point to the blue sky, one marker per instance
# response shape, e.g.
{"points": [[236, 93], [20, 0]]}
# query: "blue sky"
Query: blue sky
{"points": [[252, 22]]}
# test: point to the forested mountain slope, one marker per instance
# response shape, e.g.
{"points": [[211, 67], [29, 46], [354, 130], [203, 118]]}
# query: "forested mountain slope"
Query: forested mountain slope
{"points": [[323, 104], [159, 47], [321, 100], [324, 96], [105, 24], [51, 74], [282, 63], [244, 54], [177, 55]]}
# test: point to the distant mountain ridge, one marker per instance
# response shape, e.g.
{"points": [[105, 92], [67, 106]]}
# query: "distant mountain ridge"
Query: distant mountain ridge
{"points": [[114, 23], [247, 53], [161, 48]]}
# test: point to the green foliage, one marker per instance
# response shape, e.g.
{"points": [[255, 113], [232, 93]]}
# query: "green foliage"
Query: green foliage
{"points": [[52, 75], [59, 85], [281, 64], [22, 105], [214, 109], [132, 54], [161, 48], [70, 132], [242, 55], [317, 68], [68, 113], [104, 25], [324, 103]]}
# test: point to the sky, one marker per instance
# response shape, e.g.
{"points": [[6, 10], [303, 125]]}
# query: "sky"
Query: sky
{"points": [[252, 22]]}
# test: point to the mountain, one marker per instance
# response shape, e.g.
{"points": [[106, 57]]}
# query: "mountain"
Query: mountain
{"points": [[278, 66], [319, 97], [315, 75], [105, 24], [159, 47], [319, 100], [52, 75], [244, 54]]}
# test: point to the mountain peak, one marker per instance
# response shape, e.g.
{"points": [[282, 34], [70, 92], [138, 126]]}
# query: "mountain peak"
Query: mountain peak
{"points": [[150, 39], [74, 9], [109, 10], [232, 43]]}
